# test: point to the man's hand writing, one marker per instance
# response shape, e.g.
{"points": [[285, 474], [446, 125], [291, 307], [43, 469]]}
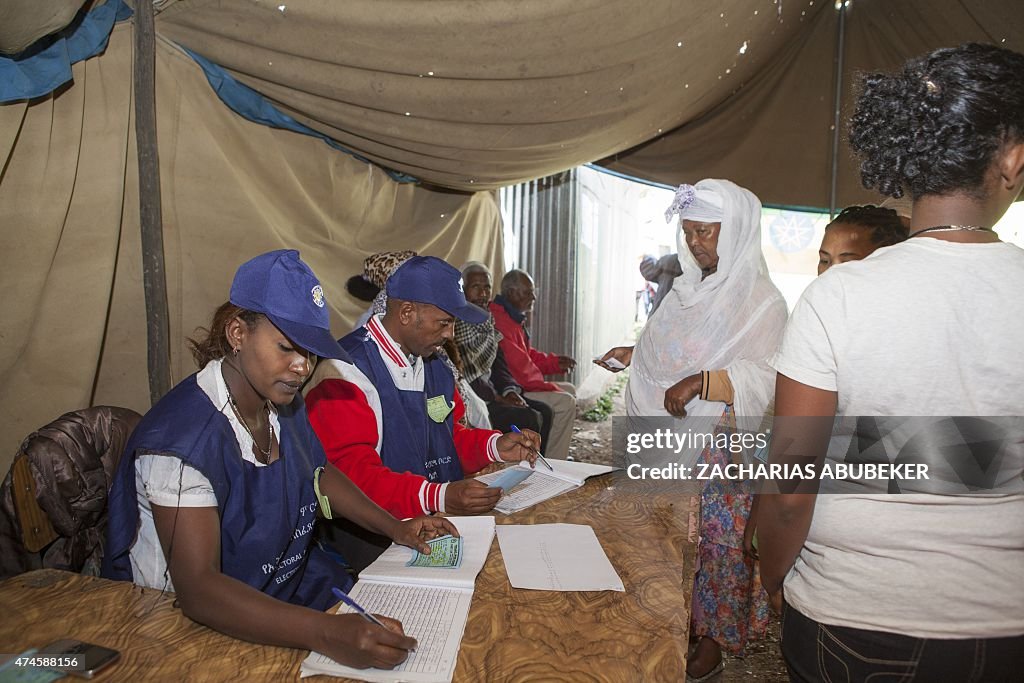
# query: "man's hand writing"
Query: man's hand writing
{"points": [[523, 445]]}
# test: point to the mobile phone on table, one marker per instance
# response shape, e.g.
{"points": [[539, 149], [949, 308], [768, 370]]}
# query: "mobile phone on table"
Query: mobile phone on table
{"points": [[80, 658]]}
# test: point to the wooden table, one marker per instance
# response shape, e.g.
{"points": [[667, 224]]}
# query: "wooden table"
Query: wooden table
{"points": [[512, 635], [649, 533]]}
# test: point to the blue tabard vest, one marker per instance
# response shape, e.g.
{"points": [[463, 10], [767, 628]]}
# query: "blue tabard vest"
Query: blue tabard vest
{"points": [[412, 442], [267, 514]]}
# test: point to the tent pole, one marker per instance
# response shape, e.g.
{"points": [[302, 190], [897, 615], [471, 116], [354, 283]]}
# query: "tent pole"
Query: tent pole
{"points": [[837, 112], [150, 222]]}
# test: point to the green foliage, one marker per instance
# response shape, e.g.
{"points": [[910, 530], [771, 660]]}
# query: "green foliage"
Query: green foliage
{"points": [[603, 406]]}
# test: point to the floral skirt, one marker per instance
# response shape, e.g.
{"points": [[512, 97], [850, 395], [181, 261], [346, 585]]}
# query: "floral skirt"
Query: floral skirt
{"points": [[729, 604]]}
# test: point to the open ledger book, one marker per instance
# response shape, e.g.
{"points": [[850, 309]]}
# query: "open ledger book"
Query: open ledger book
{"points": [[543, 484], [431, 602]]}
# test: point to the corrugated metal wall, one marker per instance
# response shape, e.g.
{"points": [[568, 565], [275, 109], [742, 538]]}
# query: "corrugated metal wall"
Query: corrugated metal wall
{"points": [[541, 237], [575, 233]]}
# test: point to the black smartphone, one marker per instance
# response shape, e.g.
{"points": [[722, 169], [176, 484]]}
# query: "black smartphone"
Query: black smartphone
{"points": [[79, 658]]}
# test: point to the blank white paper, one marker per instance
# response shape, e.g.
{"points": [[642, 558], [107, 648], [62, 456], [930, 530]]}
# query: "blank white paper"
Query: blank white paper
{"points": [[556, 557]]}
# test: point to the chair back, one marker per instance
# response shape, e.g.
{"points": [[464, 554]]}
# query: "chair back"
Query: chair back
{"points": [[53, 502]]}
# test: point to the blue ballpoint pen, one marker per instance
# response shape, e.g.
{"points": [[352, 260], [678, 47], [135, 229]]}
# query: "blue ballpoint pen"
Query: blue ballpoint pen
{"points": [[539, 456], [344, 597], [341, 595]]}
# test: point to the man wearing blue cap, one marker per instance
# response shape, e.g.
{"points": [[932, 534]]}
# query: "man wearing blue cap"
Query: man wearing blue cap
{"points": [[223, 481], [391, 422]]}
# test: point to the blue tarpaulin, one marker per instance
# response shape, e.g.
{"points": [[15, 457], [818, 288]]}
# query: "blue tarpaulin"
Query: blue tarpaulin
{"points": [[45, 65], [252, 106]]}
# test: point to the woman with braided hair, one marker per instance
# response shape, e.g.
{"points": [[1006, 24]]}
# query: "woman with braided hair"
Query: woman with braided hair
{"points": [[856, 232], [924, 585]]}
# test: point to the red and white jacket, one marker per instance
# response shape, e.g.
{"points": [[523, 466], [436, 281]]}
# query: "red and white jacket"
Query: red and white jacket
{"points": [[345, 411], [527, 365]]}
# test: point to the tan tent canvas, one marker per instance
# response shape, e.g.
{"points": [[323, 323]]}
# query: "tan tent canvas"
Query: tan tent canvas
{"points": [[465, 96], [74, 321]]}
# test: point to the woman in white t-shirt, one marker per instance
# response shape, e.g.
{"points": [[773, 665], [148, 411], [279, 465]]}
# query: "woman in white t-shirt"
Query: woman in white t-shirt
{"points": [[905, 578]]}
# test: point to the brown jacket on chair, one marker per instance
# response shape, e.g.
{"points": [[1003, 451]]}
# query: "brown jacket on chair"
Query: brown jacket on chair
{"points": [[53, 502]]}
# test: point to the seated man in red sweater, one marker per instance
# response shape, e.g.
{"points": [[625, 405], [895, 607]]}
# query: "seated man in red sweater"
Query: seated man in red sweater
{"points": [[528, 365], [391, 421]]}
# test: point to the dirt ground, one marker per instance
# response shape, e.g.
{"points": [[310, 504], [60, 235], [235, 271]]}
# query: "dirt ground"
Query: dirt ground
{"points": [[592, 442]]}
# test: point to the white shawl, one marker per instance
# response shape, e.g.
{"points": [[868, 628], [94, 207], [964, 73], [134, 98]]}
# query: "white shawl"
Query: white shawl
{"points": [[731, 320]]}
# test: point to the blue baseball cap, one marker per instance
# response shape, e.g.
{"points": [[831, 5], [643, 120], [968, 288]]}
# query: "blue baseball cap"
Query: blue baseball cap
{"points": [[429, 280], [283, 288]]}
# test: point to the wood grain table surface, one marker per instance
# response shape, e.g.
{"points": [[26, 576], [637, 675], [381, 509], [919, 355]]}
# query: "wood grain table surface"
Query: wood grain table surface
{"points": [[648, 532]]}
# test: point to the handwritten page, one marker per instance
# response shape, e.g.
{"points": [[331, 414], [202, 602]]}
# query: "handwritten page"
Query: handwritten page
{"points": [[575, 470], [536, 489], [556, 557], [432, 603], [435, 617], [510, 477], [543, 484]]}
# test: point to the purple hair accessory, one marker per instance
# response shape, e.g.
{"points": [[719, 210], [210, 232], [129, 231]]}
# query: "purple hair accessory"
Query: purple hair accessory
{"points": [[685, 195]]}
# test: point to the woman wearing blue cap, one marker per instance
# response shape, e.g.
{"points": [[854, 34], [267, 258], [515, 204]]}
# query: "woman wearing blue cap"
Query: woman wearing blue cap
{"points": [[220, 486]]}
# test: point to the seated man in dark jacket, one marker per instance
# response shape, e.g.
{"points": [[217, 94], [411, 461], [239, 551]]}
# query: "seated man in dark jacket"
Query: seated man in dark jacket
{"points": [[484, 364]]}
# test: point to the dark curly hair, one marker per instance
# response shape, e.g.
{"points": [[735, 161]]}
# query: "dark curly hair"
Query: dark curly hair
{"points": [[885, 224], [934, 127]]}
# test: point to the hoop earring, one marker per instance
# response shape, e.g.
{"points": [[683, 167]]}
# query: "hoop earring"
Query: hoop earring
{"points": [[234, 351]]}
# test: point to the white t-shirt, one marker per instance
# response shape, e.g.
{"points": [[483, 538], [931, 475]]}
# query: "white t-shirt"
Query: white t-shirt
{"points": [[166, 480], [926, 327]]}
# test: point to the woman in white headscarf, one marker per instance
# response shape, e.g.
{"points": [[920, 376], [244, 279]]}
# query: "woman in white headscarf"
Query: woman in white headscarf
{"points": [[703, 356]]}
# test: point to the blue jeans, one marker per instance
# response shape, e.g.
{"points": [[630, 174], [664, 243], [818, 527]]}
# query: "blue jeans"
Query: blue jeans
{"points": [[836, 654]]}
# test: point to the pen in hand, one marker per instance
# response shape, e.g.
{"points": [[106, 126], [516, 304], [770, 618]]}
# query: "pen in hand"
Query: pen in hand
{"points": [[535, 451], [344, 597], [341, 595]]}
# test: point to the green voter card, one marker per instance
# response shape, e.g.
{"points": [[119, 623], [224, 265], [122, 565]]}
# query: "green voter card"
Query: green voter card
{"points": [[438, 408], [445, 552]]}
